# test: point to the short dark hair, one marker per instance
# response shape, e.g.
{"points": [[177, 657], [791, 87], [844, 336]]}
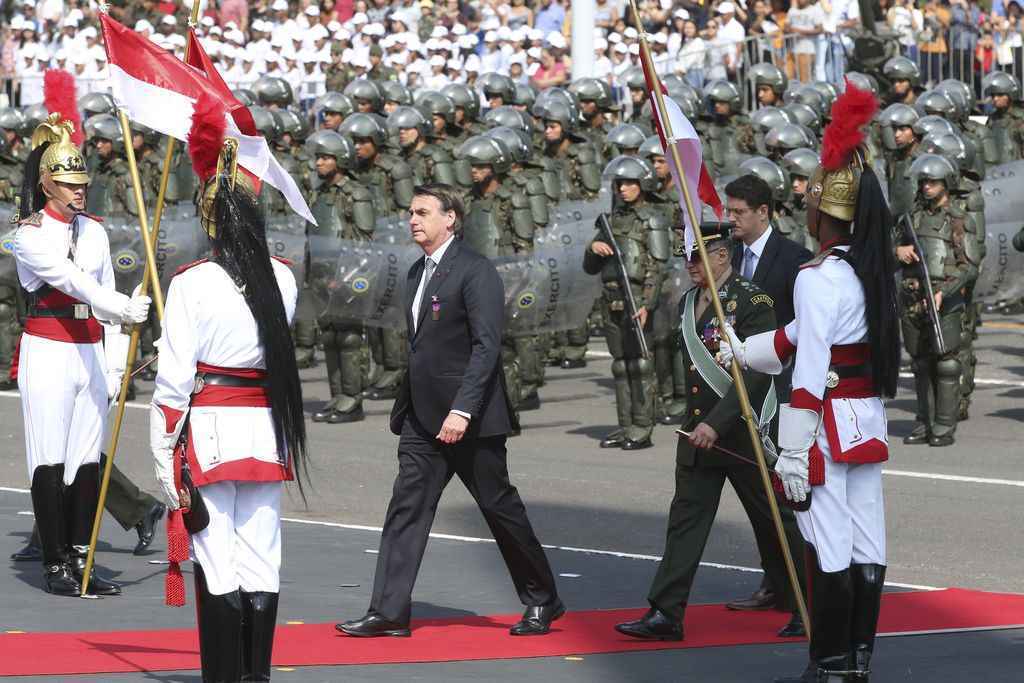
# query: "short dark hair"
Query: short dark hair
{"points": [[753, 190], [447, 196]]}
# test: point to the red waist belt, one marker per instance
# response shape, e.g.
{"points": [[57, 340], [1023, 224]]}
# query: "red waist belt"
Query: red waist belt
{"points": [[62, 325], [208, 394]]}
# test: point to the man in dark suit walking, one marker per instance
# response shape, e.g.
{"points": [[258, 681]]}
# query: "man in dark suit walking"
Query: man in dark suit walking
{"points": [[452, 415], [771, 261]]}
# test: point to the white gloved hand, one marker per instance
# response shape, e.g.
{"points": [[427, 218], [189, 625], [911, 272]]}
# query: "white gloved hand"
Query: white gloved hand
{"points": [[730, 346], [113, 386], [162, 444], [136, 310], [792, 470]]}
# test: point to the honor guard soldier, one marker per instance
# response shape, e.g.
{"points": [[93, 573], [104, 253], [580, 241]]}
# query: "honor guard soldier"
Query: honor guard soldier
{"points": [[778, 180], [228, 387], [967, 195], [1005, 140], [343, 210], [713, 418], [390, 182], [498, 90], [729, 135], [904, 76], [900, 142], [71, 363], [641, 230], [429, 163], [334, 107], [939, 228], [800, 164], [844, 347], [770, 84]]}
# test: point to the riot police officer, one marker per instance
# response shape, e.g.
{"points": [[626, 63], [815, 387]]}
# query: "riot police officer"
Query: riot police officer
{"points": [[390, 182], [940, 229], [729, 134], [769, 82], [365, 95], [595, 98], [784, 139], [467, 110], [900, 142], [765, 120], [12, 122], [800, 164], [642, 233], [333, 108], [637, 86], [269, 126], [273, 92], [1005, 140], [440, 110], [971, 131], [429, 163], [145, 142], [499, 90], [109, 192], [904, 76], [625, 138], [395, 95], [343, 210]]}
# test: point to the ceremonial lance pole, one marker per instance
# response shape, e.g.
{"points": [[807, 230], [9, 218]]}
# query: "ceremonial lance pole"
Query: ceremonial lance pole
{"points": [[658, 101]]}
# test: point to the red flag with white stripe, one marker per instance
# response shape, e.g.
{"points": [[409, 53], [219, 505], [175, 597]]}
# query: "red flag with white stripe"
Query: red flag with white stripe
{"points": [[160, 91]]}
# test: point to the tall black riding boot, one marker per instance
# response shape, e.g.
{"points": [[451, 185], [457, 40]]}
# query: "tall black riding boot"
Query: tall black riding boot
{"points": [[259, 618], [868, 581], [810, 673], [48, 506], [832, 600], [81, 501], [220, 632]]}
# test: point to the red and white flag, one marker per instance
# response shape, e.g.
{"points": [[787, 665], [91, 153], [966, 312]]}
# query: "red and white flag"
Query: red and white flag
{"points": [[684, 138], [158, 90]]}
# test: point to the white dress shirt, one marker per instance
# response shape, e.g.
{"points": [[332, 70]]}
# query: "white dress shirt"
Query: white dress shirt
{"points": [[757, 248]]}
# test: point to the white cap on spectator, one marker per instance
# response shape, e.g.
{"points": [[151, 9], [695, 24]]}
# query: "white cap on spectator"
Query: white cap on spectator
{"points": [[439, 32], [176, 39], [231, 26], [324, 56], [360, 62], [614, 37], [600, 44], [317, 32], [280, 6], [472, 64], [535, 35], [491, 37], [79, 59], [504, 33], [621, 48], [87, 32], [70, 21], [235, 36], [169, 20], [312, 11], [534, 53], [634, 49], [726, 8], [630, 33], [660, 38], [681, 14], [142, 25], [374, 30], [215, 31], [445, 45], [458, 30], [518, 35], [17, 24], [61, 55], [437, 60], [518, 58], [209, 22], [491, 24], [358, 18], [556, 40], [306, 56], [454, 64]]}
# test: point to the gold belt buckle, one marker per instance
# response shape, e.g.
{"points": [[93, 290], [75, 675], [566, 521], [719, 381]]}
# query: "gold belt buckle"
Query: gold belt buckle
{"points": [[80, 311], [832, 379]]}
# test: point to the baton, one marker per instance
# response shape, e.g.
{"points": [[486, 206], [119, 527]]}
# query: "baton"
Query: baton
{"points": [[716, 447]]}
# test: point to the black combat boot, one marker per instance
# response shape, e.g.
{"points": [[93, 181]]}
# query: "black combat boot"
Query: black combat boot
{"points": [[259, 618], [868, 581], [220, 632], [48, 505]]}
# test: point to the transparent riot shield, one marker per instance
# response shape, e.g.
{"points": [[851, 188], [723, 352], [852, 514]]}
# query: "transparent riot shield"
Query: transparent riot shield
{"points": [[8, 271], [286, 238]]}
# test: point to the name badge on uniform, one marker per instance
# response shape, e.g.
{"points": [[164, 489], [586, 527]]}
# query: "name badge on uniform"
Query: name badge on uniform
{"points": [[435, 307]]}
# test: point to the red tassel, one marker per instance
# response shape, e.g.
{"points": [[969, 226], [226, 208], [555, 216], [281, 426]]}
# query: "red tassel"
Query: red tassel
{"points": [[815, 467], [177, 551], [174, 586], [59, 98]]}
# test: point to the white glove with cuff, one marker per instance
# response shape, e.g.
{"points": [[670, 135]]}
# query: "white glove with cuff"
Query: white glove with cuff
{"points": [[798, 430], [162, 443]]}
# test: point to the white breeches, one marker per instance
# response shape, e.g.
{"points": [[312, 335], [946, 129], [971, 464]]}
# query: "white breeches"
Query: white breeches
{"points": [[846, 520], [64, 400], [241, 548]]}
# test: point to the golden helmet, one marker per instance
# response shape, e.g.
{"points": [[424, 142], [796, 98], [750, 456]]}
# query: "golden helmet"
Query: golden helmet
{"points": [[62, 161], [227, 168], [835, 192]]}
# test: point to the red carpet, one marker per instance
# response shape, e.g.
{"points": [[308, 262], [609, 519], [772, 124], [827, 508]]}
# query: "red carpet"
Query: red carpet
{"points": [[475, 638]]}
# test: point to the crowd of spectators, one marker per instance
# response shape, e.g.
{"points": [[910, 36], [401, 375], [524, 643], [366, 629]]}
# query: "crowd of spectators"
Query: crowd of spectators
{"points": [[318, 47]]}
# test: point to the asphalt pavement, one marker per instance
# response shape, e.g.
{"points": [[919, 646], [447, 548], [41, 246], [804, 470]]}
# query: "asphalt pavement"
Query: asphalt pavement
{"points": [[952, 519]]}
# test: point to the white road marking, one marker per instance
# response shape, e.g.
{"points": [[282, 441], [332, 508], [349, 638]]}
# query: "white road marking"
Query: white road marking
{"points": [[979, 380], [954, 477], [939, 631], [15, 394]]}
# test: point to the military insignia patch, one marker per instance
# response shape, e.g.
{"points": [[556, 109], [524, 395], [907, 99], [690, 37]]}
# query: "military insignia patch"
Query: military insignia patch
{"points": [[762, 299], [125, 261], [526, 299], [7, 244], [360, 285]]}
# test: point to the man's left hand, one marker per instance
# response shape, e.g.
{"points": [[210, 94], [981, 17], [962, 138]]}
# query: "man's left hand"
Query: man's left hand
{"points": [[641, 316], [453, 429], [703, 436]]}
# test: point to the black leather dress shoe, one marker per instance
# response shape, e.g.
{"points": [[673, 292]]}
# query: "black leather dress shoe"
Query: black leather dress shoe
{"points": [[631, 445], [59, 580], [940, 440], [537, 620], [30, 553], [794, 629], [147, 527], [336, 417], [373, 626], [572, 363], [531, 402], [761, 599], [380, 393], [917, 437], [325, 412], [668, 420], [614, 440], [97, 584], [655, 625]]}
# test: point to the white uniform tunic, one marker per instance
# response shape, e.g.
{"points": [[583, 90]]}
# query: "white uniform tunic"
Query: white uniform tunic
{"points": [[62, 368], [232, 452], [846, 520]]}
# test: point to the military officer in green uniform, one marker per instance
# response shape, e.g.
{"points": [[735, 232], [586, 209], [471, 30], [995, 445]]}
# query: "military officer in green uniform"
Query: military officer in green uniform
{"points": [[379, 71], [1005, 141], [729, 134], [900, 142], [642, 232], [390, 183], [714, 419], [344, 211], [273, 93], [340, 74], [429, 163], [940, 227]]}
